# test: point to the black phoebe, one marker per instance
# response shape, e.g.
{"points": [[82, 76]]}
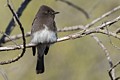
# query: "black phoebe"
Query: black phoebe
{"points": [[43, 33]]}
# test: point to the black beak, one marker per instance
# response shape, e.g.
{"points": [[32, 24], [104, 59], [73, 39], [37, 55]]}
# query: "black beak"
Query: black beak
{"points": [[56, 12]]}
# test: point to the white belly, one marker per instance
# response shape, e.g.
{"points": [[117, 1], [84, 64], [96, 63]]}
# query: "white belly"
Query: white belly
{"points": [[44, 36]]}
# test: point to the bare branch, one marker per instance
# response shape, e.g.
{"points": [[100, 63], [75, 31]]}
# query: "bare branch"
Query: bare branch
{"points": [[73, 28], [107, 54], [78, 34], [103, 16], [11, 24], [69, 37], [111, 40], [110, 70], [15, 37], [109, 23], [110, 33], [78, 27], [8, 37], [65, 29], [23, 37], [117, 31]]}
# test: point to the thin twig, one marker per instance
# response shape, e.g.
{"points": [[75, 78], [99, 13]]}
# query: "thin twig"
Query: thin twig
{"points": [[107, 54], [117, 31], [111, 40], [16, 37], [110, 33], [23, 37], [110, 70], [101, 17], [11, 24], [109, 23], [72, 28], [9, 37]]}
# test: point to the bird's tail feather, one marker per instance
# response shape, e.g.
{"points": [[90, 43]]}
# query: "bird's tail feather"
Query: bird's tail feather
{"points": [[40, 65], [40, 58]]}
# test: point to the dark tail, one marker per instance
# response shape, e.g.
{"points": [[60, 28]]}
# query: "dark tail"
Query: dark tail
{"points": [[42, 49], [40, 65]]}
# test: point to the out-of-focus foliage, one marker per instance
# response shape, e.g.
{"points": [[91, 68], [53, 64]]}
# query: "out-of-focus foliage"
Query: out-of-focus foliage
{"points": [[80, 59]]}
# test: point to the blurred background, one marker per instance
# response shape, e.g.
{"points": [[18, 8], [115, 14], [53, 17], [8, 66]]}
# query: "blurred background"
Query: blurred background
{"points": [[78, 59]]}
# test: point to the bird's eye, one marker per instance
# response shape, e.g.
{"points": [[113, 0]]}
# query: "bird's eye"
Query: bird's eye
{"points": [[47, 12]]}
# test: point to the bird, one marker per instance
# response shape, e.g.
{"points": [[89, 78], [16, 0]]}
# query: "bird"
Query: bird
{"points": [[43, 34]]}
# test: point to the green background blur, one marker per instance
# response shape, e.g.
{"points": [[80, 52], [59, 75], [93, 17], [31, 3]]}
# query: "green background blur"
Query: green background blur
{"points": [[79, 59]]}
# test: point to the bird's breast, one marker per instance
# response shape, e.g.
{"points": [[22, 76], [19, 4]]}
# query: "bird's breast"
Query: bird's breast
{"points": [[44, 36]]}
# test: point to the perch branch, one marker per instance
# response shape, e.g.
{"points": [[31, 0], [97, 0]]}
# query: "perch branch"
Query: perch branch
{"points": [[65, 29], [73, 28], [78, 35]]}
